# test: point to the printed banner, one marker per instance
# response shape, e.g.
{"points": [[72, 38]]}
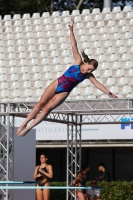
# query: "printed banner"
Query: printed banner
{"points": [[56, 131]]}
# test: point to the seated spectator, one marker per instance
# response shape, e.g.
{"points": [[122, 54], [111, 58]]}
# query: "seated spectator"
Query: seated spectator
{"points": [[80, 181], [104, 174], [93, 193]]}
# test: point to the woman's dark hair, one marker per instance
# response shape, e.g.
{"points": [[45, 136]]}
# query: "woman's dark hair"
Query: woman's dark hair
{"points": [[90, 61], [44, 155], [83, 167], [101, 165]]}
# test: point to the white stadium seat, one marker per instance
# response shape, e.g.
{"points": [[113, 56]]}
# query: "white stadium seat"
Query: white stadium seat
{"points": [[14, 77], [107, 73], [85, 12], [106, 10], [101, 58], [95, 11], [118, 16], [118, 43], [121, 22], [55, 14], [11, 63], [91, 97], [110, 50], [27, 92], [46, 21], [125, 57], [113, 29], [35, 15], [4, 93], [57, 68], [37, 76], [59, 33], [2, 63], [98, 92], [97, 73], [98, 17], [24, 69], [39, 92], [113, 57], [129, 15], [110, 23], [104, 96], [127, 9], [26, 84], [89, 24], [122, 81], [16, 93], [75, 12], [116, 65], [16, 17], [104, 37], [79, 97], [87, 91], [122, 50], [4, 85], [108, 16], [17, 23], [128, 64], [129, 42], [12, 70], [86, 18], [100, 24], [47, 76], [101, 30], [129, 96], [38, 84], [26, 16], [65, 13], [104, 65], [115, 36], [8, 30], [30, 48], [7, 23], [130, 73], [110, 81], [126, 90], [107, 43], [25, 77], [34, 69], [76, 91], [36, 21], [7, 17], [45, 15], [114, 89], [98, 51], [3, 70], [119, 73], [116, 9], [130, 22]]}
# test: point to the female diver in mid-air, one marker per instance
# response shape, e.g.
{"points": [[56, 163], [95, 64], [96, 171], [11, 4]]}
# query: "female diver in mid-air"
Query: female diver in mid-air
{"points": [[56, 93]]}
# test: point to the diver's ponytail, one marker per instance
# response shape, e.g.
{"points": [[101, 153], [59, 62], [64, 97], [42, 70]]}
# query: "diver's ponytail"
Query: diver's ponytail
{"points": [[85, 57]]}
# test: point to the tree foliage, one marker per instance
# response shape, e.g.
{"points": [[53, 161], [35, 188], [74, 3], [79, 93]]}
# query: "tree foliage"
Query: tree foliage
{"points": [[33, 6]]}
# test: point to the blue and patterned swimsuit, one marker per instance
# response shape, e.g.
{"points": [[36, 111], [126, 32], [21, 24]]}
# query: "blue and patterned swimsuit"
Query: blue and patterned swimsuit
{"points": [[70, 79]]}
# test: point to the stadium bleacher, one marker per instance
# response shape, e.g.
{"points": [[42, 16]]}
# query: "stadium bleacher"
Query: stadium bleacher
{"points": [[36, 50]]}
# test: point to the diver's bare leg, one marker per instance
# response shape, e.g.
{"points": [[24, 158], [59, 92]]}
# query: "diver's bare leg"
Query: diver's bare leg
{"points": [[54, 102], [45, 98]]}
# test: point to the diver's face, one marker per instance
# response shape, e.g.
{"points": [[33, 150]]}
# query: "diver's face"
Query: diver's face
{"points": [[88, 68]]}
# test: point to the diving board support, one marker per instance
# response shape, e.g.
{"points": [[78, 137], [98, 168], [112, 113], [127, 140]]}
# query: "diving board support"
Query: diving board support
{"points": [[74, 113]]}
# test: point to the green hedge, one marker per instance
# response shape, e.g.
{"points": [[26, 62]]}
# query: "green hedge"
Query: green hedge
{"points": [[112, 191]]}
